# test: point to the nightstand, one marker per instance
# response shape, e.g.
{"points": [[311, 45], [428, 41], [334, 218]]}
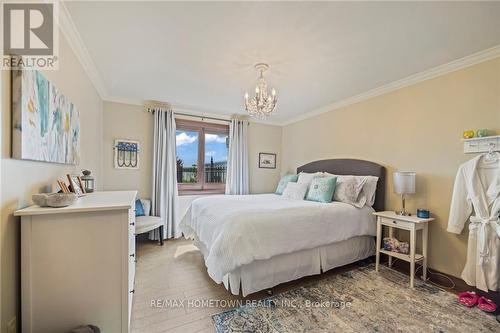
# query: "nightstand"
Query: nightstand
{"points": [[412, 224]]}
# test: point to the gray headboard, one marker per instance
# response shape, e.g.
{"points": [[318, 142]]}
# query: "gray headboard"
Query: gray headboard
{"points": [[352, 167]]}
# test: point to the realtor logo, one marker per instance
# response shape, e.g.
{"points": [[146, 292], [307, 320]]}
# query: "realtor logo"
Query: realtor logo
{"points": [[29, 37]]}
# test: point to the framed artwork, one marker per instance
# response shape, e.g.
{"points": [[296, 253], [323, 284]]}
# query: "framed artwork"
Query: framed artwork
{"points": [[46, 125], [267, 160], [126, 154], [76, 185]]}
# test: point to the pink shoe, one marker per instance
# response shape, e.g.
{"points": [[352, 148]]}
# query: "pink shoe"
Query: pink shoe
{"points": [[487, 305], [468, 298]]}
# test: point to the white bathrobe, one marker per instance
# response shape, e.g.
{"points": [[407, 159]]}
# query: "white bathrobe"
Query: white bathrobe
{"points": [[477, 188]]}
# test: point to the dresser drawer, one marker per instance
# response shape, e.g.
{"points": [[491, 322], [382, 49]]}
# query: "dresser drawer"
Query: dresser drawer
{"points": [[396, 223]]}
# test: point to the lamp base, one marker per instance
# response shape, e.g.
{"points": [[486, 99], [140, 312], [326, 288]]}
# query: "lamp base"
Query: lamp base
{"points": [[402, 213]]}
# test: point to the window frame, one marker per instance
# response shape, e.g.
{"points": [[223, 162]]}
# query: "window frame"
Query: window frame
{"points": [[201, 128]]}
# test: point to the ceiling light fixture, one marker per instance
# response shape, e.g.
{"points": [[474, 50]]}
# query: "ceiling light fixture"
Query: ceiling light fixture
{"points": [[263, 104]]}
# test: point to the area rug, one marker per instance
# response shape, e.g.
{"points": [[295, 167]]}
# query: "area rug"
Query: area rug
{"points": [[358, 301]]}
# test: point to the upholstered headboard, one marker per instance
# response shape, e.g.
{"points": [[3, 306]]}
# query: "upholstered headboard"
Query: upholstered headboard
{"points": [[355, 168]]}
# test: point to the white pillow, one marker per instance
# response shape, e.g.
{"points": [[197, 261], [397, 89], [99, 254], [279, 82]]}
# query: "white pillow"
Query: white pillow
{"points": [[355, 190], [146, 204], [306, 178], [349, 189], [295, 191], [370, 189]]}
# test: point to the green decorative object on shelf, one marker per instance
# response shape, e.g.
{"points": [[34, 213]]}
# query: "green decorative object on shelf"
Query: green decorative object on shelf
{"points": [[481, 133]]}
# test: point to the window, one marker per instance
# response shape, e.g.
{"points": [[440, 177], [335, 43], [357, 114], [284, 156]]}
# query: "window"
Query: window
{"points": [[201, 156]]}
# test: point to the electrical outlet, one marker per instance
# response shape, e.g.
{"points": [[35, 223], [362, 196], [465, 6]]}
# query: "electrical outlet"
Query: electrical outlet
{"points": [[12, 326]]}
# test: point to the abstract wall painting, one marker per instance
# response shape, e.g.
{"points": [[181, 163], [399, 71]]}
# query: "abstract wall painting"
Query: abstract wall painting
{"points": [[46, 125]]}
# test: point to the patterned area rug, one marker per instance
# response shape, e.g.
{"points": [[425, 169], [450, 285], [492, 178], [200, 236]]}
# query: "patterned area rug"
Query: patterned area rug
{"points": [[358, 301]]}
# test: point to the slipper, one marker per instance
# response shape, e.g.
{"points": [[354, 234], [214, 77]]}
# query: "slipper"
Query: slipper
{"points": [[468, 298], [487, 305]]}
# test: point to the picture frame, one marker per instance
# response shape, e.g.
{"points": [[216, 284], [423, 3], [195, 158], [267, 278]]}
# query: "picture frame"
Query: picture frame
{"points": [[267, 160], [126, 154], [62, 185], [76, 184]]}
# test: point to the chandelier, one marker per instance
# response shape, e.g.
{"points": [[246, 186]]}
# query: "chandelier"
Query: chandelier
{"points": [[263, 104]]}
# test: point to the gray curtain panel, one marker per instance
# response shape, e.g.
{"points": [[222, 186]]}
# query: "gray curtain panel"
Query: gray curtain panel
{"points": [[164, 196], [237, 160]]}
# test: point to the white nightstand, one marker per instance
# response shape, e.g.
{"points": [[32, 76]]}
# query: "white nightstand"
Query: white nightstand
{"points": [[412, 224]]}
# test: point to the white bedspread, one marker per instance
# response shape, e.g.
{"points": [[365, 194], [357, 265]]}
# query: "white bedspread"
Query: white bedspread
{"points": [[236, 230]]}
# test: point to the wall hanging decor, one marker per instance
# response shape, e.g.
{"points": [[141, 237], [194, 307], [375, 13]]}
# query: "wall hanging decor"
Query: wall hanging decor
{"points": [[126, 154], [46, 125], [267, 160]]}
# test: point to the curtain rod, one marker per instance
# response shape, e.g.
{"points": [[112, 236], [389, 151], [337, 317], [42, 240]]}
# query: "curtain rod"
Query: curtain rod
{"points": [[151, 110], [202, 117]]}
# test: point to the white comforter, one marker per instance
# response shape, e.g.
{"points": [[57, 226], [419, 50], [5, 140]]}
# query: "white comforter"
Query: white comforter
{"points": [[236, 230]]}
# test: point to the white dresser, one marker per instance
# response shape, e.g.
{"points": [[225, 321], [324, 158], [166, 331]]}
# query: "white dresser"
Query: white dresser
{"points": [[78, 264]]}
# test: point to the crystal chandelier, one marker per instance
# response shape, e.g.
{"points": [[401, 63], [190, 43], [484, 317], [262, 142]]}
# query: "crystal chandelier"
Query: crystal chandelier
{"points": [[263, 104]]}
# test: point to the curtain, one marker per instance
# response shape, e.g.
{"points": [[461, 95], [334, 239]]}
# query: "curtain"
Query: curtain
{"points": [[164, 197], [237, 160]]}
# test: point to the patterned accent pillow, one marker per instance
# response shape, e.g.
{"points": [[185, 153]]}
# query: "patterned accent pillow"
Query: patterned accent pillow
{"points": [[350, 190], [284, 182], [306, 178], [321, 189], [295, 191]]}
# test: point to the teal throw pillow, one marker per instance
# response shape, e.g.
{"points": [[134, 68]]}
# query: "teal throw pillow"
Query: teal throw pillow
{"points": [[284, 182], [321, 189]]}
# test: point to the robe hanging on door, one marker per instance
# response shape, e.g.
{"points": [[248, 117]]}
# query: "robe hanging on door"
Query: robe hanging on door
{"points": [[476, 190]]}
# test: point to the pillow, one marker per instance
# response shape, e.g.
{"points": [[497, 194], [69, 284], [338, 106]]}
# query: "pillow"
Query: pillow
{"points": [[295, 191], [366, 184], [139, 210], [284, 182], [370, 189], [146, 205], [321, 189], [306, 178]]}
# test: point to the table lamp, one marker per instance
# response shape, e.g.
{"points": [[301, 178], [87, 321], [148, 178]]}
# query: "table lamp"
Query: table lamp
{"points": [[404, 183]]}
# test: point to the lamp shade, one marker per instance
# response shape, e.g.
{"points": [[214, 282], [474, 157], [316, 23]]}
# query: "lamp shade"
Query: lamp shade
{"points": [[404, 182]]}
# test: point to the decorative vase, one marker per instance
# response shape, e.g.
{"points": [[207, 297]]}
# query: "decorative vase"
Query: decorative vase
{"points": [[469, 134], [481, 133]]}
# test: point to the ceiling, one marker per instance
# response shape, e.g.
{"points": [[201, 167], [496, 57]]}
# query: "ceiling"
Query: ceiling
{"points": [[202, 55]]}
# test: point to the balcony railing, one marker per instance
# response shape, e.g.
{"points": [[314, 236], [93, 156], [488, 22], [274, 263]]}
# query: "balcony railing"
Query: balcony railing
{"points": [[215, 174]]}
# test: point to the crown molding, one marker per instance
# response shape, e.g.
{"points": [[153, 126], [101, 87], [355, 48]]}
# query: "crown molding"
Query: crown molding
{"points": [[452, 66], [76, 43], [190, 109]]}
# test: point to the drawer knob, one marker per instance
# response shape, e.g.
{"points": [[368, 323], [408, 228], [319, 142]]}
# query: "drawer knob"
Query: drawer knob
{"points": [[132, 223], [394, 222], [132, 255], [132, 291]]}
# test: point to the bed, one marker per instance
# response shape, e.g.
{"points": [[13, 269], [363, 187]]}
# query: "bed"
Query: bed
{"points": [[255, 242]]}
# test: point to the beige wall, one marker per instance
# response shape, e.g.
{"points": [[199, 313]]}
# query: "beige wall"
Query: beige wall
{"points": [[416, 128], [21, 179], [263, 139], [124, 121]]}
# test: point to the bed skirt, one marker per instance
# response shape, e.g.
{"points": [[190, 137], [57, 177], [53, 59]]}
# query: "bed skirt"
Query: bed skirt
{"points": [[265, 274]]}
